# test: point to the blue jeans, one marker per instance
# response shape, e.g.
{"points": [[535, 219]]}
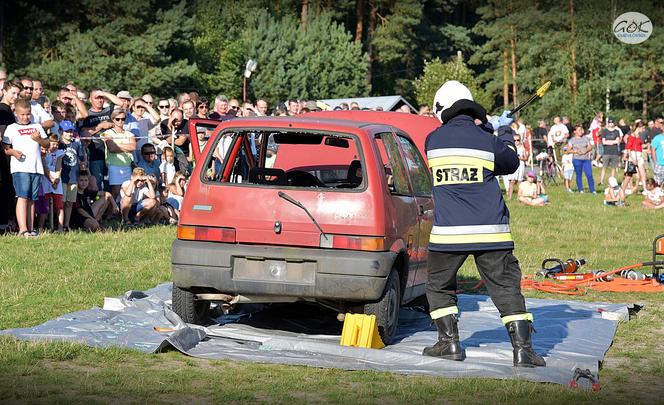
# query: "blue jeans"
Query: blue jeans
{"points": [[584, 166], [97, 170]]}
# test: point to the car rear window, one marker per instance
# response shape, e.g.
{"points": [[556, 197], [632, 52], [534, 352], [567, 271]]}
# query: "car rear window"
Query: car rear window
{"points": [[286, 159]]}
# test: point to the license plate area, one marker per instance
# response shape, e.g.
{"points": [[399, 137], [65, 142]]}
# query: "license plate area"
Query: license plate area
{"points": [[274, 270]]}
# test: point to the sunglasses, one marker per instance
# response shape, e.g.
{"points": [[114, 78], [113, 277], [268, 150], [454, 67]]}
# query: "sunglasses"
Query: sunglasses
{"points": [[163, 106], [149, 153], [119, 118], [202, 107], [234, 107], [27, 88]]}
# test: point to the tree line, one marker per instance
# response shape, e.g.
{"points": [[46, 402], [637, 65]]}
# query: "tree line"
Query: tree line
{"points": [[345, 48]]}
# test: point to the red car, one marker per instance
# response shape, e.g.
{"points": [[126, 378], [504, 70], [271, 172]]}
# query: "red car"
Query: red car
{"points": [[333, 208]]}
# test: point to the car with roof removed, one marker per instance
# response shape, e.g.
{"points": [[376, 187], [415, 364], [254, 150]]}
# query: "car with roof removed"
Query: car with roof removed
{"points": [[332, 208]]}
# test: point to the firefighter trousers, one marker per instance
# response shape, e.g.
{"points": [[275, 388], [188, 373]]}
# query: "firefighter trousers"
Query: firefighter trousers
{"points": [[498, 268]]}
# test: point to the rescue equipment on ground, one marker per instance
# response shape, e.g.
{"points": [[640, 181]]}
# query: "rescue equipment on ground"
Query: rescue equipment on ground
{"points": [[361, 331], [560, 267], [623, 279]]}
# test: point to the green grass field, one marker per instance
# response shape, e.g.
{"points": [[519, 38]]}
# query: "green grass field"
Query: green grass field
{"points": [[55, 274]]}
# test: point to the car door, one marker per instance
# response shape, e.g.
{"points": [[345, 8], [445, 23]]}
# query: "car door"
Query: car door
{"points": [[421, 184], [402, 210]]}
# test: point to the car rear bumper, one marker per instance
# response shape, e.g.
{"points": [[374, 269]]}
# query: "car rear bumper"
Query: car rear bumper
{"points": [[281, 271]]}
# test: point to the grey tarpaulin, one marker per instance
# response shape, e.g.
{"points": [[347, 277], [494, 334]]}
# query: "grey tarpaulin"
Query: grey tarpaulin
{"points": [[570, 334]]}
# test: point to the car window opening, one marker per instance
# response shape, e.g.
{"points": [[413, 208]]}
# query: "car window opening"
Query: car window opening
{"points": [[307, 160]]}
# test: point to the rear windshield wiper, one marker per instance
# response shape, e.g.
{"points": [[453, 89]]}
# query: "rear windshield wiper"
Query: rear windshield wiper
{"points": [[299, 204]]}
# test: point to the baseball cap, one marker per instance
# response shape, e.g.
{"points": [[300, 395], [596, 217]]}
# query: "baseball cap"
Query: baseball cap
{"points": [[124, 94], [613, 182], [532, 174], [610, 121], [66, 126]]}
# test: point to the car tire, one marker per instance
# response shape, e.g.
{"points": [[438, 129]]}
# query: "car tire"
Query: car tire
{"points": [[188, 307], [387, 308]]}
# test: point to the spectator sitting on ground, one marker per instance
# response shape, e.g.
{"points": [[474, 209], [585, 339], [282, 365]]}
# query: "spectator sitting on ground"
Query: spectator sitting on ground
{"points": [[139, 199], [176, 191], [89, 211], [528, 192], [614, 195], [653, 195]]}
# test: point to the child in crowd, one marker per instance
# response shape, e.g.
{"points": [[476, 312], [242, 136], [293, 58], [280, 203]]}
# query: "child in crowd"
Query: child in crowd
{"points": [[653, 195], [176, 191], [89, 209], [614, 195], [167, 167], [528, 192], [22, 140], [72, 160], [52, 182], [139, 199], [568, 168]]}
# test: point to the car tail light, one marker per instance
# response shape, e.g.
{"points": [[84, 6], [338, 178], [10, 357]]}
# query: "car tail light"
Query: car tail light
{"points": [[370, 243], [204, 233]]}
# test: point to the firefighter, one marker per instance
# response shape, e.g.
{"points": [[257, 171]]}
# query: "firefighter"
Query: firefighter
{"points": [[471, 218]]}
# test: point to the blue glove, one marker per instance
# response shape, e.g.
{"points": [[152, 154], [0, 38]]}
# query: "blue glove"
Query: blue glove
{"points": [[504, 120]]}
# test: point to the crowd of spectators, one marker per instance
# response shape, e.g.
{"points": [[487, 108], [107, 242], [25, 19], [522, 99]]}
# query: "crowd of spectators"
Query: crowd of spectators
{"points": [[86, 159], [571, 151]]}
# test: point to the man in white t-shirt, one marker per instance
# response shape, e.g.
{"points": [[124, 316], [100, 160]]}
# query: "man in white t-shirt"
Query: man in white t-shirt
{"points": [[556, 136], [22, 141]]}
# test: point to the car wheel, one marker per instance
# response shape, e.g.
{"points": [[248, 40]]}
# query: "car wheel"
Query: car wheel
{"points": [[188, 308], [387, 308]]}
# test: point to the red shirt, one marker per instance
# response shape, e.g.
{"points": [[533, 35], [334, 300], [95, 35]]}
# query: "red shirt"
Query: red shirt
{"points": [[634, 143]]}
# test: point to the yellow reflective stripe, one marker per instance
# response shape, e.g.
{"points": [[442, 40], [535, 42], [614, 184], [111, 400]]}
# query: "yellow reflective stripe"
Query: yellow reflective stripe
{"points": [[471, 238], [461, 160], [441, 312], [520, 317]]}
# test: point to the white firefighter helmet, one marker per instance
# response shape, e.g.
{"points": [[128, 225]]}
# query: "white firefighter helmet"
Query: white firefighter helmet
{"points": [[449, 93]]}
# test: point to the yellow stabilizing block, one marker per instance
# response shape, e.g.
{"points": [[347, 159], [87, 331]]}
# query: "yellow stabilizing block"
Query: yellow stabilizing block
{"points": [[361, 331]]}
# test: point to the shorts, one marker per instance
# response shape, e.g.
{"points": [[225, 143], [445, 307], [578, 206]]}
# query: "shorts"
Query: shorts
{"points": [[174, 201], [568, 174], [26, 185], [611, 161], [69, 192], [118, 175], [658, 174], [43, 202], [136, 208]]}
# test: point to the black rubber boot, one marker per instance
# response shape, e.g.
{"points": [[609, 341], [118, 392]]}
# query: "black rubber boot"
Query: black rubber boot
{"points": [[448, 345], [520, 335]]}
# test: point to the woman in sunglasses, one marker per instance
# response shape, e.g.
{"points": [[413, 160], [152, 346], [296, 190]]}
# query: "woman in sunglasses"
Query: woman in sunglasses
{"points": [[202, 108], [120, 145]]}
